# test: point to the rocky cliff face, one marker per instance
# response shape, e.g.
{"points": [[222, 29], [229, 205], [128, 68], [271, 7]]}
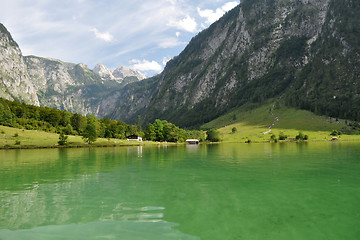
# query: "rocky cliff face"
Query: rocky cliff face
{"points": [[261, 49], [66, 86], [304, 52], [244, 57], [15, 83], [121, 74], [53, 83]]}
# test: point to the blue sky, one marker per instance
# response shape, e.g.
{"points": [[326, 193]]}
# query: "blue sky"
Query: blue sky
{"points": [[139, 34]]}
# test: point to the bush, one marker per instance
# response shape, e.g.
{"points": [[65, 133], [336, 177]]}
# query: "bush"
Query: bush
{"points": [[234, 130], [16, 135], [62, 139], [29, 127], [213, 135], [273, 137], [335, 133], [301, 136], [282, 136], [17, 142]]}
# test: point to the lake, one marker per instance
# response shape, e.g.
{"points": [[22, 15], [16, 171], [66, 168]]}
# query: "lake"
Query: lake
{"points": [[221, 191]]}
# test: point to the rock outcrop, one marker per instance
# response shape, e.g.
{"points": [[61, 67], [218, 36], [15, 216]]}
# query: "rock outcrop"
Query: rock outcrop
{"points": [[15, 83]]}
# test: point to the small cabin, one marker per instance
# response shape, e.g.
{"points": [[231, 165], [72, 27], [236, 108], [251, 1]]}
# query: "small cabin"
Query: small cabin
{"points": [[134, 138], [192, 141]]}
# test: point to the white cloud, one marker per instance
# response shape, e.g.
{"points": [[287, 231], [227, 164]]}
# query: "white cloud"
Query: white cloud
{"points": [[170, 42], [212, 15], [165, 60], [131, 27], [107, 37], [187, 24], [145, 65]]}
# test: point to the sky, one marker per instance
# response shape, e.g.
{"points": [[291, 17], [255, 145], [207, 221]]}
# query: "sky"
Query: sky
{"points": [[139, 34]]}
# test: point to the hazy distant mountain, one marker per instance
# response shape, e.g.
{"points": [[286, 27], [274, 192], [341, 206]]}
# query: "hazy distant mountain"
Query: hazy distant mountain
{"points": [[103, 72], [122, 72], [53, 83], [119, 74]]}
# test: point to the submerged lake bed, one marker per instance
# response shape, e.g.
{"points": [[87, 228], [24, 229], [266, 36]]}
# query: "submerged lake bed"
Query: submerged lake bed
{"points": [[220, 191]]}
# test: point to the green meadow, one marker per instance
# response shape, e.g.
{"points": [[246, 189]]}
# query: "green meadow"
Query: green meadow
{"points": [[241, 125], [253, 124], [21, 138]]}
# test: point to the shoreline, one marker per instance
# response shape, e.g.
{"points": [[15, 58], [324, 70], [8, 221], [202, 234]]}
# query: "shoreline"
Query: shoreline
{"points": [[24, 147]]}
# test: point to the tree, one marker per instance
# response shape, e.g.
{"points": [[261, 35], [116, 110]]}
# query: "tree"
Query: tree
{"points": [[282, 136], [78, 122], [89, 134], [68, 129], [65, 118], [150, 132], [213, 135], [301, 136], [273, 137], [62, 139], [159, 129], [335, 133]]}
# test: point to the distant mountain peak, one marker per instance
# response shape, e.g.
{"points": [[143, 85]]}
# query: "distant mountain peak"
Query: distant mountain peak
{"points": [[123, 72], [119, 74], [103, 72]]}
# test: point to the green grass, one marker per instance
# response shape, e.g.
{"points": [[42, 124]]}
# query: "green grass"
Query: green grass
{"points": [[40, 139], [252, 124]]}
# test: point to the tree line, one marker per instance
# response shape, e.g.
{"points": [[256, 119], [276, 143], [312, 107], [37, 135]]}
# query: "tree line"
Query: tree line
{"points": [[20, 115]]}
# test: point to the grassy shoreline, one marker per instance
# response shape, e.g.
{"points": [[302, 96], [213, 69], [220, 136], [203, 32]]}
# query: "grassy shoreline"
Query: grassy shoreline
{"points": [[250, 125], [35, 139]]}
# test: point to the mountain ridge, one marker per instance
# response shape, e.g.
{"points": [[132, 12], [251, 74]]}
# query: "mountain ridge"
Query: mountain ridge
{"points": [[259, 50], [305, 53], [53, 83]]}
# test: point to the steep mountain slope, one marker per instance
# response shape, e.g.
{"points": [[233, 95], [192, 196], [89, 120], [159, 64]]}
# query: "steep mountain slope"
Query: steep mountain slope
{"points": [[261, 49], [121, 74], [53, 83], [330, 83], [15, 83], [68, 86]]}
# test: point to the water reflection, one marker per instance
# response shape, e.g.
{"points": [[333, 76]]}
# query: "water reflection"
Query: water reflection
{"points": [[210, 191]]}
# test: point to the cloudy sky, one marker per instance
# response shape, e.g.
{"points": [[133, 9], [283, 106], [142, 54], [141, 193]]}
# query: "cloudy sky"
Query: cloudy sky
{"points": [[139, 34]]}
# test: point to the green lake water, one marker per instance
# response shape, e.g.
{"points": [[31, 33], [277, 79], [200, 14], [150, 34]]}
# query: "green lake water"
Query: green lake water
{"points": [[224, 191]]}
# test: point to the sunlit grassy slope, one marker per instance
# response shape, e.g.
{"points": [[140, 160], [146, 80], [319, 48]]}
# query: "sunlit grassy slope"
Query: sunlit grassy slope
{"points": [[253, 124], [35, 139]]}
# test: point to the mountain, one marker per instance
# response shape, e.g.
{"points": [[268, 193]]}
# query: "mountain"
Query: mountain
{"points": [[53, 83], [103, 72], [303, 52], [121, 74], [67, 86], [15, 83]]}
